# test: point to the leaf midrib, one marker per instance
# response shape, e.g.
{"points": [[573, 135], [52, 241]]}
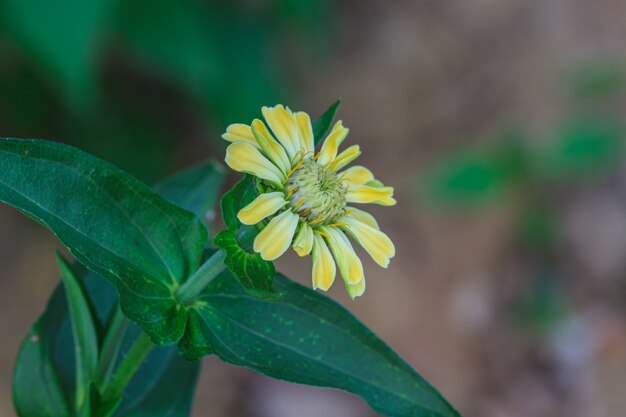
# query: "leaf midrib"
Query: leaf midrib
{"points": [[303, 354]]}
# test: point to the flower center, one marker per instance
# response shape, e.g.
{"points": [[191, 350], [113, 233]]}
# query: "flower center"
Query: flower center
{"points": [[317, 195]]}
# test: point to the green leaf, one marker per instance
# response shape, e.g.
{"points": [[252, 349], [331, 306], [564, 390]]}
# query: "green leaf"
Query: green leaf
{"points": [[236, 198], [84, 333], [195, 189], [64, 38], [600, 78], [581, 147], [45, 371], [37, 389], [322, 125], [307, 338], [472, 177], [255, 274], [112, 223]]}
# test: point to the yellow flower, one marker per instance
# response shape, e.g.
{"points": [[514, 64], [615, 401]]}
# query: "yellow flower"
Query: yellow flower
{"points": [[306, 196]]}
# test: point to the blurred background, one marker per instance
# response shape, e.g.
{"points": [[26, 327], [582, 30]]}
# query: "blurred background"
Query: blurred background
{"points": [[499, 122]]}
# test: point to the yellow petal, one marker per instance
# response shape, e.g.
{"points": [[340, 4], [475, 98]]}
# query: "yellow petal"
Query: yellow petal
{"points": [[270, 146], [345, 157], [367, 194], [324, 269], [349, 263], [240, 133], [243, 157], [283, 124], [303, 243], [331, 144], [306, 131], [356, 175], [362, 216], [276, 237], [262, 206], [375, 242], [356, 290]]}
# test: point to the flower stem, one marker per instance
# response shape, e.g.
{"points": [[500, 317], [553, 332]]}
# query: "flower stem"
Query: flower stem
{"points": [[111, 346], [201, 278], [125, 372]]}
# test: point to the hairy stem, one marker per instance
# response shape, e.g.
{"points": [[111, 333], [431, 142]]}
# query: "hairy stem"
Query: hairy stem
{"points": [[125, 372], [201, 278], [111, 346]]}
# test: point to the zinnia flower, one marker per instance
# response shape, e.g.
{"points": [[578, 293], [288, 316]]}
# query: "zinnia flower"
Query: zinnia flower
{"points": [[305, 196]]}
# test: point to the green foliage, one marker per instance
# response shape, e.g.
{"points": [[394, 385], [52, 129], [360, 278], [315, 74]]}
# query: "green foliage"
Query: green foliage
{"points": [[117, 226], [307, 338], [65, 36], [476, 176], [47, 367], [196, 188], [86, 202], [598, 79], [85, 338], [581, 147], [255, 274], [37, 390], [44, 379], [239, 196], [323, 123]]}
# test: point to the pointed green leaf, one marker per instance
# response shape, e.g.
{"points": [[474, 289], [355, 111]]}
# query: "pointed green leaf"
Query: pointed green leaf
{"points": [[84, 334], [37, 389], [235, 199], [112, 223], [45, 371], [307, 338], [255, 274], [322, 125], [195, 189]]}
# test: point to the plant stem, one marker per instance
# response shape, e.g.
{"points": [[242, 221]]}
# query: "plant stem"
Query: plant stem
{"points": [[201, 278], [125, 372], [111, 346]]}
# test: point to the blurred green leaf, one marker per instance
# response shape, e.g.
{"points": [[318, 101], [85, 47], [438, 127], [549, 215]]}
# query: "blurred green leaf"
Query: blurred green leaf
{"points": [[307, 338], [543, 305], [219, 55], [64, 37], [84, 335], [537, 227], [598, 78], [175, 38], [581, 147], [195, 189], [477, 176], [322, 125], [87, 203]]}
